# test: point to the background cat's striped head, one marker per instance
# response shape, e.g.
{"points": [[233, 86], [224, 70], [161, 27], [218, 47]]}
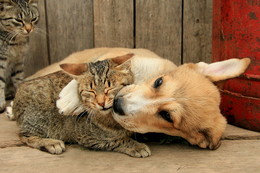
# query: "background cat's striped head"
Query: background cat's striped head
{"points": [[18, 16]]}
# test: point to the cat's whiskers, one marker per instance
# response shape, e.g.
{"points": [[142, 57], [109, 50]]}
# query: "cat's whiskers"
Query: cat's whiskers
{"points": [[132, 126], [77, 119], [89, 119], [15, 34], [10, 34], [40, 31]]}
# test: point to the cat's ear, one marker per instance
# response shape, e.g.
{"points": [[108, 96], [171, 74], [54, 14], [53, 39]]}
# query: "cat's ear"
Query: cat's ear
{"points": [[224, 69], [6, 4], [123, 61], [74, 69], [33, 2]]}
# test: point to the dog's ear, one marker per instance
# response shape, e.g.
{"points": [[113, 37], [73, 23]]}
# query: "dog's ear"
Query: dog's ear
{"points": [[224, 69], [74, 69]]}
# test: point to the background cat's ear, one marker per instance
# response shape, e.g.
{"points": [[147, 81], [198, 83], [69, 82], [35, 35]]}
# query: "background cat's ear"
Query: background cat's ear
{"points": [[122, 61], [74, 69], [33, 2], [224, 69], [6, 4]]}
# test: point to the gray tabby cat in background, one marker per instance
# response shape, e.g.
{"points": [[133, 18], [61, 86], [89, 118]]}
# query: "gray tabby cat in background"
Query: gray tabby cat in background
{"points": [[17, 20]]}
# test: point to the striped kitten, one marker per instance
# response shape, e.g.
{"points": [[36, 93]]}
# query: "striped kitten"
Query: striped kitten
{"points": [[17, 20], [43, 127]]}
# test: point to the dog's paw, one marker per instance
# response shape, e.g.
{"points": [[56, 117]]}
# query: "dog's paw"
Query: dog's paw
{"points": [[54, 146], [141, 151], [69, 102], [9, 112]]}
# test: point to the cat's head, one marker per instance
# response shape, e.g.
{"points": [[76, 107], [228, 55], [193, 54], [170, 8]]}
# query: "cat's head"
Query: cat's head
{"points": [[100, 81], [19, 16]]}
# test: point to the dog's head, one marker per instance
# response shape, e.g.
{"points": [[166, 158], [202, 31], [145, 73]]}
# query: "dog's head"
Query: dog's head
{"points": [[182, 103]]}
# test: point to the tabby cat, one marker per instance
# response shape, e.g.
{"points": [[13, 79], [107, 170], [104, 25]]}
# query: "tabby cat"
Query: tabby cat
{"points": [[43, 127], [17, 20]]}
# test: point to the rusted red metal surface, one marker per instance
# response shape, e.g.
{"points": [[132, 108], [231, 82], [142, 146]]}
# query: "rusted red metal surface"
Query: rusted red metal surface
{"points": [[236, 34]]}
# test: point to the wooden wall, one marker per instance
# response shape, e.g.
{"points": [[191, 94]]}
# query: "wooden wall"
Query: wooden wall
{"points": [[179, 30]]}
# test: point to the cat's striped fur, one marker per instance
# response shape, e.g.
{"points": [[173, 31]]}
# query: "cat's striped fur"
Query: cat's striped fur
{"points": [[43, 127], [17, 20]]}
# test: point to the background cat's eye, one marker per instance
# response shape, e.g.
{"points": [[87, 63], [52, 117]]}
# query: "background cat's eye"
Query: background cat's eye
{"points": [[19, 20], [35, 19], [166, 116]]}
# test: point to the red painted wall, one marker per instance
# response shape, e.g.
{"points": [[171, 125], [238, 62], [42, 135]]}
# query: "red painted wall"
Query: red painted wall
{"points": [[236, 34]]}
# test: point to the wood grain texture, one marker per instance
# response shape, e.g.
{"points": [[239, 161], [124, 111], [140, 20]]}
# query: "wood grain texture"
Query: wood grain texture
{"points": [[159, 27], [113, 23], [70, 27], [197, 30], [38, 51]]}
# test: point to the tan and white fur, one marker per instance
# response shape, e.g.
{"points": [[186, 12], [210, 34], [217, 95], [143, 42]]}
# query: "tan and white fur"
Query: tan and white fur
{"points": [[186, 104]]}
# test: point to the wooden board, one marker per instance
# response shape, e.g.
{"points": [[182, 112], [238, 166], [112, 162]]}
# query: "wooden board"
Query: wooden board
{"points": [[159, 27], [38, 51], [179, 30], [70, 27], [113, 23], [197, 30]]}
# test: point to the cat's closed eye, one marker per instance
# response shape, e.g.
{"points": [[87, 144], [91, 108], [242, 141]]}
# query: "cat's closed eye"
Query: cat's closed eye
{"points": [[19, 20], [35, 19], [88, 92]]}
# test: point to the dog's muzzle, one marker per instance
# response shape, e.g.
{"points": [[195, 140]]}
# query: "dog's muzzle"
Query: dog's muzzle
{"points": [[117, 106]]}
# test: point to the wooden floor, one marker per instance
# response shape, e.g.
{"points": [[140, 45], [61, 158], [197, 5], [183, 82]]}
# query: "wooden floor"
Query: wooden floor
{"points": [[239, 153]]}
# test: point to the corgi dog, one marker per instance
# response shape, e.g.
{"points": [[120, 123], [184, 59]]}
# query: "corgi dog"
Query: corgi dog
{"points": [[183, 102], [178, 101]]}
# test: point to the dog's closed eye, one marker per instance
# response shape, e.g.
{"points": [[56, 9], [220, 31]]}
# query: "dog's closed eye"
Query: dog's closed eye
{"points": [[158, 82], [166, 116]]}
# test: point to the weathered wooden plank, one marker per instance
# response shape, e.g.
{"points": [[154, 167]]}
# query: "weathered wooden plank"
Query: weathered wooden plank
{"points": [[114, 23], [70, 27], [159, 27], [38, 52], [197, 30]]}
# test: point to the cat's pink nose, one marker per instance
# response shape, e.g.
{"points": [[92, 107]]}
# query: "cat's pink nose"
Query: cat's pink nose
{"points": [[102, 104], [28, 28]]}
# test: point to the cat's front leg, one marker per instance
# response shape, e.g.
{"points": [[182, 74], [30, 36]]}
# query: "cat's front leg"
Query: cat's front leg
{"points": [[52, 146], [124, 145], [3, 66], [17, 74], [131, 147]]}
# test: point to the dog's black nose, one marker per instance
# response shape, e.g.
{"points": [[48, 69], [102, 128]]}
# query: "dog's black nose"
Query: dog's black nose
{"points": [[117, 106]]}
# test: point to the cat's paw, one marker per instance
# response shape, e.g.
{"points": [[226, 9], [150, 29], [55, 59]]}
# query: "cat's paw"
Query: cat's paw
{"points": [[9, 112], [140, 150], [54, 146]]}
